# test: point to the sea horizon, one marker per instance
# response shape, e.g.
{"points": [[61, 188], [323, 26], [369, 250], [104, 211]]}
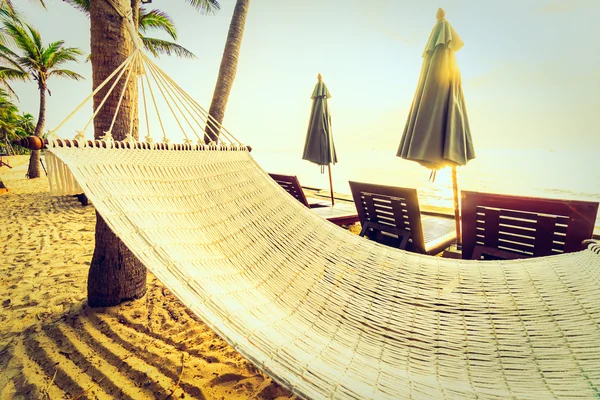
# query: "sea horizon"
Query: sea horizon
{"points": [[557, 174]]}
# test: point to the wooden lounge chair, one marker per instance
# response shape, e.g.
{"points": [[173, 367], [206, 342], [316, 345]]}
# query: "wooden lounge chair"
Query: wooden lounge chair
{"points": [[391, 215], [340, 214], [498, 226], [291, 184]]}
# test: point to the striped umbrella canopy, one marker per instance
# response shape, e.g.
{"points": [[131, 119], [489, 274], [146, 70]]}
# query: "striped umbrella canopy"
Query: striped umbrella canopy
{"points": [[437, 132], [319, 147]]}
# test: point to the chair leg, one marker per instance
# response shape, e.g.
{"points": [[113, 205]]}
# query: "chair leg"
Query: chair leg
{"points": [[82, 198], [364, 229], [403, 240]]}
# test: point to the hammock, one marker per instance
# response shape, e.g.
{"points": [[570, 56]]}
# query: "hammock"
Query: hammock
{"points": [[324, 312], [329, 314]]}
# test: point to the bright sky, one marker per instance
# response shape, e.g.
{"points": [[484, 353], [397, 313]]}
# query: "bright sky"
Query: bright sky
{"points": [[531, 69]]}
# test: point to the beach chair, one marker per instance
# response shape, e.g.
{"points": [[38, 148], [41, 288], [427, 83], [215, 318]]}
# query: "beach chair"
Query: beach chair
{"points": [[391, 215], [292, 185], [498, 226]]}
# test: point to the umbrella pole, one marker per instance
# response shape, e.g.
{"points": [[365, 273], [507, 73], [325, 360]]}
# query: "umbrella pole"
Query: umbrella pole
{"points": [[330, 184], [456, 210]]}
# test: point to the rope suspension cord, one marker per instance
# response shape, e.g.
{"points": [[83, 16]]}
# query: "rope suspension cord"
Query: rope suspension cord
{"points": [[173, 92], [202, 112], [156, 71], [148, 137], [108, 79], [130, 59], [159, 84], [162, 127], [131, 67], [131, 116]]}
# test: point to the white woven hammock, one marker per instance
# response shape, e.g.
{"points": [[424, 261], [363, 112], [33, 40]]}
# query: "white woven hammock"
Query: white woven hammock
{"points": [[329, 314]]}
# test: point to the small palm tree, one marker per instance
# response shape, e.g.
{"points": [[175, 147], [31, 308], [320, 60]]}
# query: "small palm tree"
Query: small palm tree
{"points": [[8, 11], [32, 61], [26, 125], [8, 123]]}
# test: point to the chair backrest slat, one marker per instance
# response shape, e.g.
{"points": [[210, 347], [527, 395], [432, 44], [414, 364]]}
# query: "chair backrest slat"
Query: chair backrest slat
{"points": [[291, 184], [391, 209], [491, 224], [526, 226]]}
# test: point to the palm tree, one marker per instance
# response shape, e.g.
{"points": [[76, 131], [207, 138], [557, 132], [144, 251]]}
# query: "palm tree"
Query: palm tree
{"points": [[147, 21], [8, 122], [8, 11], [32, 60], [25, 125], [115, 274], [227, 70]]}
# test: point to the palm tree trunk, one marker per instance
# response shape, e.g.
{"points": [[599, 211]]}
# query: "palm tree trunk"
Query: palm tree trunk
{"points": [[33, 171], [115, 274], [111, 45], [227, 70]]}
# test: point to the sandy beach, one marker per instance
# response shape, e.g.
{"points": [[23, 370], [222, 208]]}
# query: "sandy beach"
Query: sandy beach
{"points": [[52, 345]]}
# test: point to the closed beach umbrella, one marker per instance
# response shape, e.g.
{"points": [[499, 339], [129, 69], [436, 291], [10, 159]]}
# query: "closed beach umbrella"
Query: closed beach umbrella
{"points": [[319, 147], [437, 133]]}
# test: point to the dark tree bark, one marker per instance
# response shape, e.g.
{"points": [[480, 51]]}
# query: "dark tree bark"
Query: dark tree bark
{"points": [[111, 44], [227, 70], [33, 171], [115, 273]]}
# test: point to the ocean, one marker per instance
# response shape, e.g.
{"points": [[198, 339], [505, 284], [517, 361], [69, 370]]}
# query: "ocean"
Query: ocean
{"points": [[559, 174]]}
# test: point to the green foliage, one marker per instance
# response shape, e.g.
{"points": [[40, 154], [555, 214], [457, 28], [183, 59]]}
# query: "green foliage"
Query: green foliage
{"points": [[30, 59], [13, 125]]}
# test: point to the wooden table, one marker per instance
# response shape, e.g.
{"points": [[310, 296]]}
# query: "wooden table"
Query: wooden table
{"points": [[339, 214]]}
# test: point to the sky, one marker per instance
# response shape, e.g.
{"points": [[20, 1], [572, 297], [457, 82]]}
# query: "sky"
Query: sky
{"points": [[530, 69]]}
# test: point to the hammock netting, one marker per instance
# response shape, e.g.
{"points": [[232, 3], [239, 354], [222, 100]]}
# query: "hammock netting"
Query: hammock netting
{"points": [[329, 314]]}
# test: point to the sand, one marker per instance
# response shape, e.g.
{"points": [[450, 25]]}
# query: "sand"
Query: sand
{"points": [[52, 345]]}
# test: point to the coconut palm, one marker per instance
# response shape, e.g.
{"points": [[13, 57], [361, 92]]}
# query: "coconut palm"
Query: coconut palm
{"points": [[149, 20], [8, 122], [227, 70], [8, 11], [115, 274], [25, 125], [32, 61]]}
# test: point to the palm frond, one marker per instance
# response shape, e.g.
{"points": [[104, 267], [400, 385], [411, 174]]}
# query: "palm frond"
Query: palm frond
{"points": [[49, 52], [36, 37], [7, 53], [205, 6], [22, 39], [9, 88], [156, 19], [7, 73], [65, 73], [81, 5], [160, 47], [62, 56], [8, 6], [7, 12]]}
